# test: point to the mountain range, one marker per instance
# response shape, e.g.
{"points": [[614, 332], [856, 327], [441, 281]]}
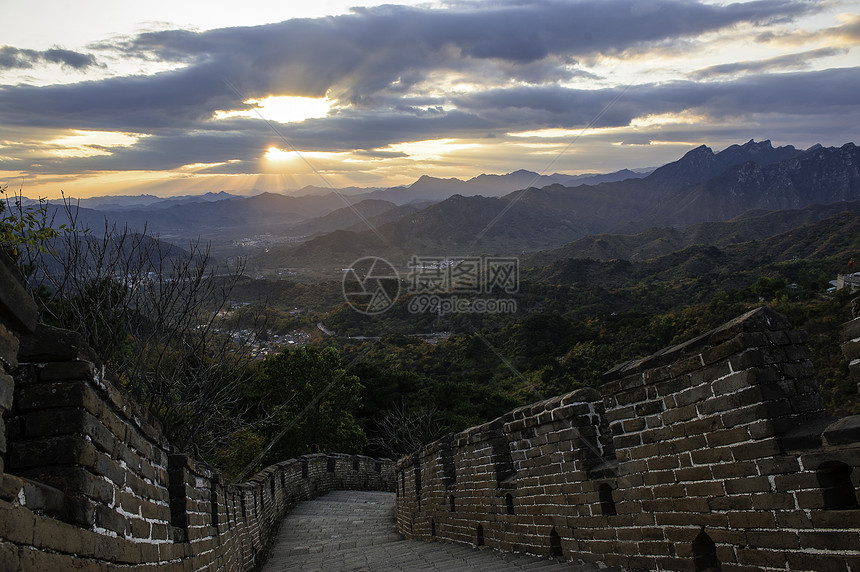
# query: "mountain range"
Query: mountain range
{"points": [[835, 236], [429, 188], [753, 176], [656, 242], [625, 214]]}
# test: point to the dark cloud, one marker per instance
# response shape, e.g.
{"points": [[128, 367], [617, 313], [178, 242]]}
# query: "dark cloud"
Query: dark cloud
{"points": [[800, 60], [821, 92], [777, 103], [371, 54], [357, 56], [846, 33], [139, 103], [16, 58], [383, 66], [769, 104], [160, 152], [379, 154], [367, 130]]}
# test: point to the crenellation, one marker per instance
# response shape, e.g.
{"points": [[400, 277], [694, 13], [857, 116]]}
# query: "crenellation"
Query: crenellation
{"points": [[712, 451]]}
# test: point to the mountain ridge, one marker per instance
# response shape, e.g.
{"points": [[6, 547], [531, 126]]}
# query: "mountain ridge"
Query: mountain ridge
{"points": [[544, 218]]}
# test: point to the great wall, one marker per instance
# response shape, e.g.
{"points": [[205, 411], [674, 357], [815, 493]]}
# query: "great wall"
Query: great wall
{"points": [[712, 455]]}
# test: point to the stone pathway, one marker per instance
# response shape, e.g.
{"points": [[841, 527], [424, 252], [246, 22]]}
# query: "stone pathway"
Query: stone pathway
{"points": [[355, 530]]}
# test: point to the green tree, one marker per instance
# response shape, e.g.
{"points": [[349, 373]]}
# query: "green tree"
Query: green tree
{"points": [[308, 392], [24, 228]]}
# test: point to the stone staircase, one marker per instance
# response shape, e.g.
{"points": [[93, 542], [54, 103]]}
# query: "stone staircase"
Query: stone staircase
{"points": [[355, 530]]}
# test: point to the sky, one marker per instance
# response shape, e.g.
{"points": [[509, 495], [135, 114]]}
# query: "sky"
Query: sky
{"points": [[163, 97]]}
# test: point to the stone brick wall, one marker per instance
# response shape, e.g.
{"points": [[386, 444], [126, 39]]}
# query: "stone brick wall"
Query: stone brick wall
{"points": [[850, 337], [88, 482], [714, 454]]}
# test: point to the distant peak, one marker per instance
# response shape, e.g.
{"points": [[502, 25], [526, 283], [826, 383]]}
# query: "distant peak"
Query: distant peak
{"points": [[751, 145], [429, 179], [699, 151]]}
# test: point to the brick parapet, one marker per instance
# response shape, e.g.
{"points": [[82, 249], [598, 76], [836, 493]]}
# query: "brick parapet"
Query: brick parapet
{"points": [[92, 484], [713, 449], [849, 335], [17, 316]]}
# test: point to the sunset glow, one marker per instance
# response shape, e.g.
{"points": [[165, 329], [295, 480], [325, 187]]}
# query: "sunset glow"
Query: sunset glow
{"points": [[282, 109], [145, 100]]}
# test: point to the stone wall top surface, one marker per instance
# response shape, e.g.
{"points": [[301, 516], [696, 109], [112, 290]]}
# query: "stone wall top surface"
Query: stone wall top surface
{"points": [[758, 320]]}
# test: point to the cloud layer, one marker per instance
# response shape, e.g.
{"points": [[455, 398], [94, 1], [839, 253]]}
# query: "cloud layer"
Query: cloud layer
{"points": [[15, 58], [472, 71]]}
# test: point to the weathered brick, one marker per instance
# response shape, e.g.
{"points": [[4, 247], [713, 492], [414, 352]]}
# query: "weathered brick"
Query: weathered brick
{"points": [[8, 347], [57, 394], [631, 381], [751, 519], [756, 450], [57, 536], [63, 450], [655, 375], [693, 395], [724, 350], [653, 477], [727, 437], [110, 519], [7, 390], [796, 481], [663, 462], [761, 558], [658, 435], [831, 540], [677, 414], [834, 519], [672, 386], [631, 396], [649, 408], [69, 370], [694, 474], [731, 503], [772, 501], [817, 562], [747, 485], [40, 560], [9, 556], [688, 504], [733, 470], [625, 441], [16, 524], [770, 539], [705, 489]]}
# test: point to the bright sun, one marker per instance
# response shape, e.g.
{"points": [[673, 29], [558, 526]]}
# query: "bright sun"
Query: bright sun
{"points": [[275, 154], [282, 108]]}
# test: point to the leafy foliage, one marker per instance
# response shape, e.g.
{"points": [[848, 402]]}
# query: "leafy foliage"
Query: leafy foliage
{"points": [[306, 402], [155, 316], [24, 228]]}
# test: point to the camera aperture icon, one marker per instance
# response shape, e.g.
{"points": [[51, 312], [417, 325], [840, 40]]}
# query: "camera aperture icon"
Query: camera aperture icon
{"points": [[371, 285]]}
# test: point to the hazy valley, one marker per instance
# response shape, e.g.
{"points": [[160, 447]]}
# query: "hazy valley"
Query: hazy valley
{"points": [[609, 268]]}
